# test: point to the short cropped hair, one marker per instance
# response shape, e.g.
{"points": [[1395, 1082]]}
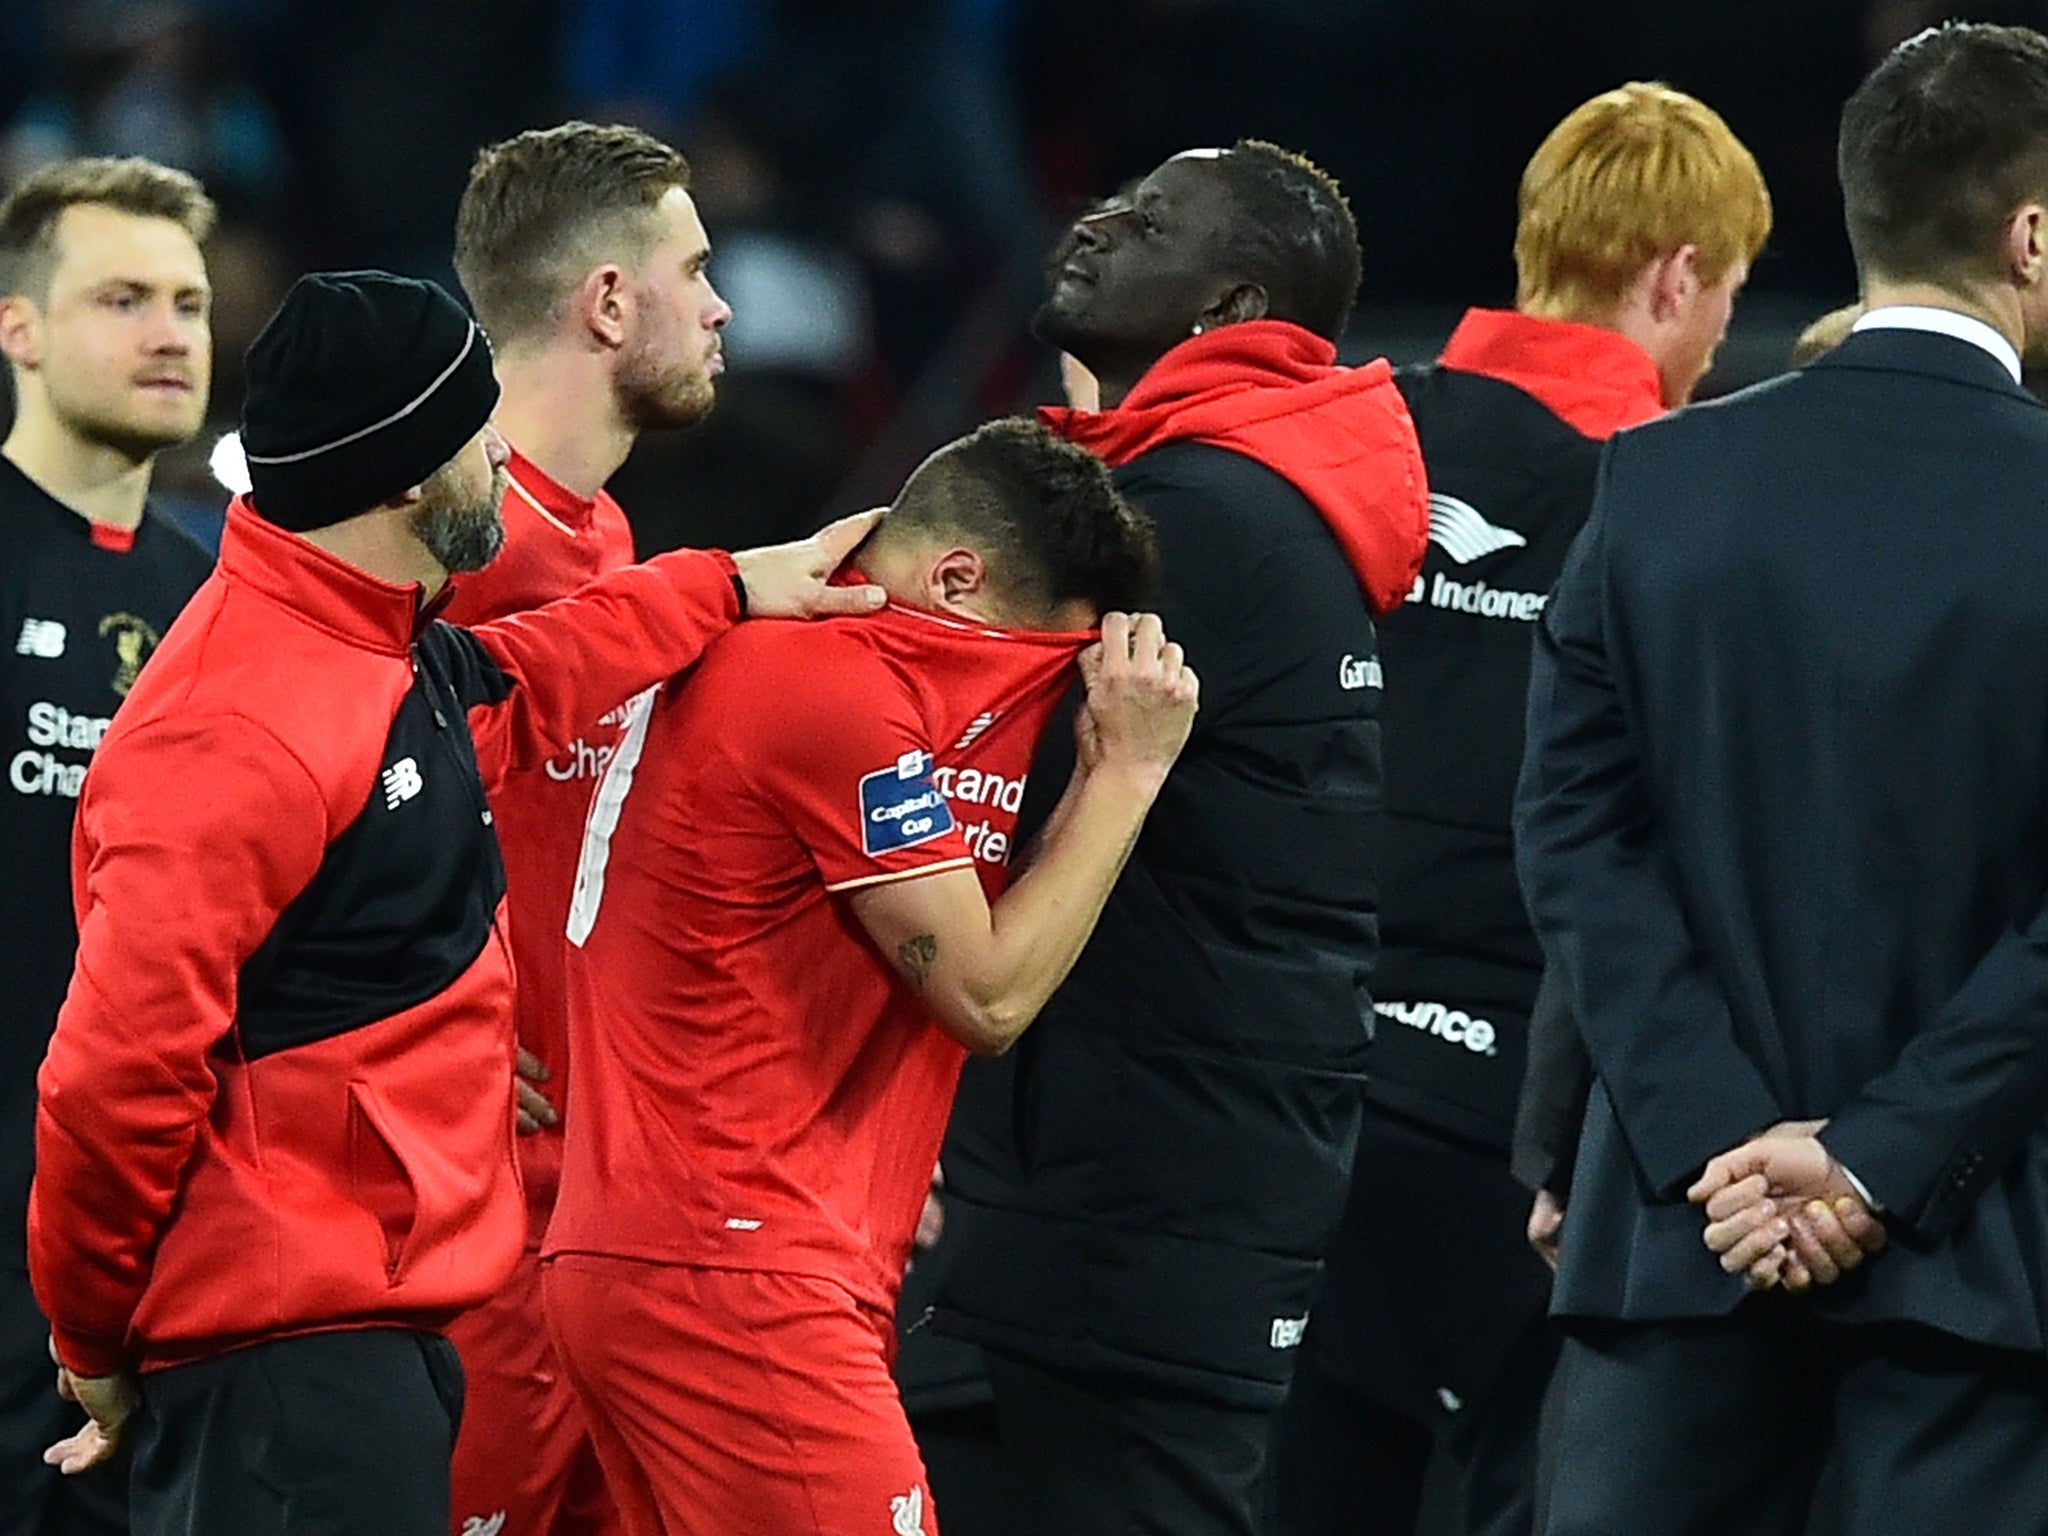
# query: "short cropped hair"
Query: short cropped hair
{"points": [[1297, 237], [1943, 140], [1634, 174], [545, 206], [131, 184], [1042, 513]]}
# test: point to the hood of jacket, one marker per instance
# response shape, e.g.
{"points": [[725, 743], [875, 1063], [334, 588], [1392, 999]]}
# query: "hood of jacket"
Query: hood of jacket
{"points": [[1274, 392]]}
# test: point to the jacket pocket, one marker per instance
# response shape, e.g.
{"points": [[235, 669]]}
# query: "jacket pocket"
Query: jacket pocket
{"points": [[378, 1178]]}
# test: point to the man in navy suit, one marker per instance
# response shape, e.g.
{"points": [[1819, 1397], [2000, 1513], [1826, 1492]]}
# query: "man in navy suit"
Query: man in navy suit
{"points": [[1783, 827]]}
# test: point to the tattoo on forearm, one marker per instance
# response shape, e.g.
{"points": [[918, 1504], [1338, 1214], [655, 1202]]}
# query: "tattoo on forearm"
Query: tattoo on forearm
{"points": [[917, 956]]}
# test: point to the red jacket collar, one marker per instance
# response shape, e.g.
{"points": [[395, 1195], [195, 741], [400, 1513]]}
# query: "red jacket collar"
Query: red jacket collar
{"points": [[1597, 380], [321, 589], [1274, 392]]}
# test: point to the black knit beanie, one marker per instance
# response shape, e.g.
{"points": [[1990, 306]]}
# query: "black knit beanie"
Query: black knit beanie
{"points": [[359, 387]]}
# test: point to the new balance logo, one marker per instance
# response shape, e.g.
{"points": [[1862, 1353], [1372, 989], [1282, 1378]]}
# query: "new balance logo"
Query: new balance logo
{"points": [[43, 638], [1288, 1332], [1459, 531], [401, 782], [906, 1513], [981, 723], [478, 1525]]}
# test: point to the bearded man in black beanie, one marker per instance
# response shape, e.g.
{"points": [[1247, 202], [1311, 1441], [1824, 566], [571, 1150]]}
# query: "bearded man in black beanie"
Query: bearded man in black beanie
{"points": [[274, 1134]]}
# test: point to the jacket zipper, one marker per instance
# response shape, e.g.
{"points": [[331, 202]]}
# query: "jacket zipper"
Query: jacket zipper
{"points": [[470, 776]]}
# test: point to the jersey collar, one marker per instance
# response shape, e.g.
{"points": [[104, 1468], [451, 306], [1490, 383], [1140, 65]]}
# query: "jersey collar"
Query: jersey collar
{"points": [[544, 494]]}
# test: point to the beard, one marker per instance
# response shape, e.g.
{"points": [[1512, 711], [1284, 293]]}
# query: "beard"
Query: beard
{"points": [[134, 435], [461, 533], [657, 397]]}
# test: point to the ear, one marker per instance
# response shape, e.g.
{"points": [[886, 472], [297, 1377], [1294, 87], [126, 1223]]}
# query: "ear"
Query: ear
{"points": [[21, 341], [2026, 245], [1245, 301], [957, 575], [603, 304], [1674, 282]]}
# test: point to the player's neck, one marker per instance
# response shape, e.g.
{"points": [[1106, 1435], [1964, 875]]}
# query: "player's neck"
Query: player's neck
{"points": [[559, 411], [100, 483]]}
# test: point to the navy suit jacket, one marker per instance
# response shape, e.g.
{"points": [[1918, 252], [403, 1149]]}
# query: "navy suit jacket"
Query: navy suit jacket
{"points": [[1783, 823]]}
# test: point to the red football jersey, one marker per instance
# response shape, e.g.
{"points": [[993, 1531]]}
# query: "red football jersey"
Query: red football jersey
{"points": [[554, 542], [755, 1087]]}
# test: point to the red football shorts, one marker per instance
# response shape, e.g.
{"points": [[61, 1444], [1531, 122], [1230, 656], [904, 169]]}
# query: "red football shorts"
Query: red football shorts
{"points": [[727, 1401], [524, 1462]]}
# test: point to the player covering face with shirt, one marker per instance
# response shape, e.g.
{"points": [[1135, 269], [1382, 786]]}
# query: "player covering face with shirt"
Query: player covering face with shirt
{"points": [[795, 915]]}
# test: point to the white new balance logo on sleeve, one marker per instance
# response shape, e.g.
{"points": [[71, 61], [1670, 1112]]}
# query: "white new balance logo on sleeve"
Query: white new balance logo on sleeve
{"points": [[1459, 531]]}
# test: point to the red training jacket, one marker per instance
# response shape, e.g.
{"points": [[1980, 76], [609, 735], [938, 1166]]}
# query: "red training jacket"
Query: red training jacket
{"points": [[279, 1097]]}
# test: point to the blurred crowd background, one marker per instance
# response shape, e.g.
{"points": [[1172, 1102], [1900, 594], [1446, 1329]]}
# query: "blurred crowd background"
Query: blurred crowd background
{"points": [[881, 178]]}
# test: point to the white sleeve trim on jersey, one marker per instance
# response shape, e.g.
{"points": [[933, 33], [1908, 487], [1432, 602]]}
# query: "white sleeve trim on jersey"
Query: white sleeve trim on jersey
{"points": [[888, 876]]}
